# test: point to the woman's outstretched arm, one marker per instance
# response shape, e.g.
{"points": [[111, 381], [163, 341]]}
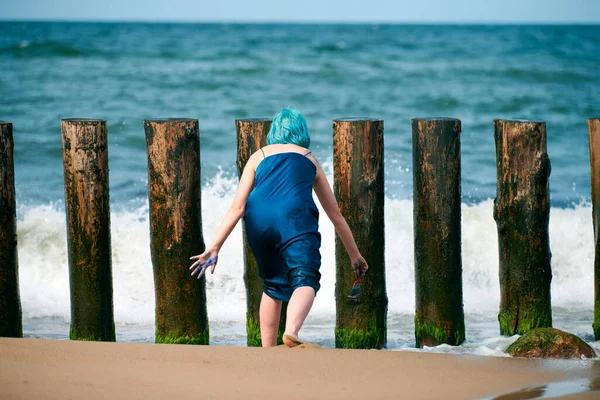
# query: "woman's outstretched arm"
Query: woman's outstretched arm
{"points": [[236, 211], [329, 203]]}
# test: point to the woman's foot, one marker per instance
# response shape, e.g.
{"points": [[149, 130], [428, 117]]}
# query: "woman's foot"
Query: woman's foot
{"points": [[291, 340]]}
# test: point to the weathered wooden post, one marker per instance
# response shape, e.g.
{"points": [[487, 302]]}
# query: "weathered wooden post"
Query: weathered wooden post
{"points": [[11, 323], [85, 162], [594, 139], [251, 136], [522, 211], [358, 185], [173, 147], [439, 315]]}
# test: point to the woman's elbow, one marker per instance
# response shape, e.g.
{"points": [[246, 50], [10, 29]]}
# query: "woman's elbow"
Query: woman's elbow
{"points": [[237, 211], [336, 216]]}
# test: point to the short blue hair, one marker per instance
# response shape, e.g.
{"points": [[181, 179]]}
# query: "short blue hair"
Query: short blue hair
{"points": [[289, 126]]}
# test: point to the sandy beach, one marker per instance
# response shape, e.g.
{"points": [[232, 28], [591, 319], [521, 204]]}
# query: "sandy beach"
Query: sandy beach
{"points": [[56, 369]]}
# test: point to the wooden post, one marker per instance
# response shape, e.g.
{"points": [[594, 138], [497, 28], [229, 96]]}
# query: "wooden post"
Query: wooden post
{"points": [[358, 186], [11, 324], [251, 136], [173, 147], [439, 315], [85, 161], [594, 139], [521, 211]]}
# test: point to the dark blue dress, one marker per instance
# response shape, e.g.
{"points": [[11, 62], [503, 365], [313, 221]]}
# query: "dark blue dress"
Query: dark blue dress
{"points": [[282, 223]]}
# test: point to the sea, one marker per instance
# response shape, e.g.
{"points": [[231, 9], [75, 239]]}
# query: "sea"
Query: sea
{"points": [[127, 72]]}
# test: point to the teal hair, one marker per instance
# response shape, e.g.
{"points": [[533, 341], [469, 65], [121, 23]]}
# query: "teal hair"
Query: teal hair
{"points": [[289, 126]]}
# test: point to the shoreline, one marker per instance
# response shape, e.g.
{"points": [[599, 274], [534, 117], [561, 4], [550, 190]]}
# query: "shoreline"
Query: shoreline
{"points": [[482, 336], [58, 369]]}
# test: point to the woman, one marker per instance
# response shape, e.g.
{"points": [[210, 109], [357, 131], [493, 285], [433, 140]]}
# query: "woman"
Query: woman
{"points": [[275, 198]]}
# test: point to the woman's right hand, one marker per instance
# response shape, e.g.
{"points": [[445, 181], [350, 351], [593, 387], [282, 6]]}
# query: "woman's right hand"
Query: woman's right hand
{"points": [[359, 266]]}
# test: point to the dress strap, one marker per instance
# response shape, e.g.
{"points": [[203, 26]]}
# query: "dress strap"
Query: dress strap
{"points": [[263, 153], [307, 153]]}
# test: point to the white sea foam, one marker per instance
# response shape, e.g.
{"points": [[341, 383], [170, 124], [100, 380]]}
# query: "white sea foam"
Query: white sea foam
{"points": [[44, 281]]}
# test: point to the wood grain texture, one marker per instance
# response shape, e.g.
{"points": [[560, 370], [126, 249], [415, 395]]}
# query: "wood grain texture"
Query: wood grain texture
{"points": [[11, 324], [439, 315], [359, 190], [173, 148], [522, 211], [594, 141], [85, 162]]}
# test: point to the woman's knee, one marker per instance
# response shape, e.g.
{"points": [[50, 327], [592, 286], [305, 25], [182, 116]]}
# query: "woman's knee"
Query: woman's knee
{"points": [[270, 308]]}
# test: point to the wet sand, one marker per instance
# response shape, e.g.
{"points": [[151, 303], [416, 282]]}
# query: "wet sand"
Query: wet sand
{"points": [[56, 369]]}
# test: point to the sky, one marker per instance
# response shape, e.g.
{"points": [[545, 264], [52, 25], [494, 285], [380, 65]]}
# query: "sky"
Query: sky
{"points": [[409, 11]]}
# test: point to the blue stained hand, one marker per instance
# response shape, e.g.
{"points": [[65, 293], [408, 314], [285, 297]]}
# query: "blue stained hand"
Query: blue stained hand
{"points": [[201, 267]]}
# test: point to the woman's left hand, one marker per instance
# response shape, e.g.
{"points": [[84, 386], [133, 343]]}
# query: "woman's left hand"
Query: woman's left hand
{"points": [[207, 259]]}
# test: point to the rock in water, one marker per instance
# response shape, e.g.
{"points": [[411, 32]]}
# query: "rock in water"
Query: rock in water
{"points": [[550, 343]]}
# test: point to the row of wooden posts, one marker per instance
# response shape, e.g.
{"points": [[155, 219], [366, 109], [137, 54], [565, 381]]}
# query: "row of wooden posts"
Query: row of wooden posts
{"points": [[521, 211]]}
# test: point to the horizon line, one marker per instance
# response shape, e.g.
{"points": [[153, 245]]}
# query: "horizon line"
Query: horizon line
{"points": [[298, 22]]}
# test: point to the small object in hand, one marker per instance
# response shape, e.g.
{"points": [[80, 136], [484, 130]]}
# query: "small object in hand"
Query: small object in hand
{"points": [[201, 268], [356, 286]]}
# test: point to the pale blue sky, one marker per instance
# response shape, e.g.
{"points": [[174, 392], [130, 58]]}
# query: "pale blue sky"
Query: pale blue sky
{"points": [[485, 11]]}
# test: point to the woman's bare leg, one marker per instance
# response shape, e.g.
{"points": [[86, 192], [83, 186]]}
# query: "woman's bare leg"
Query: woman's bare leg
{"points": [[270, 311], [298, 308]]}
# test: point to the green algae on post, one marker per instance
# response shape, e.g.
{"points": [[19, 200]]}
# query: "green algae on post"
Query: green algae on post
{"points": [[173, 148], [431, 334], [85, 162], [356, 338], [359, 189], [253, 331], [534, 318], [74, 336], [439, 315], [201, 338]]}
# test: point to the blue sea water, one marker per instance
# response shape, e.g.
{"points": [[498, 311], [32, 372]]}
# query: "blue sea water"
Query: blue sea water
{"points": [[126, 72]]}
